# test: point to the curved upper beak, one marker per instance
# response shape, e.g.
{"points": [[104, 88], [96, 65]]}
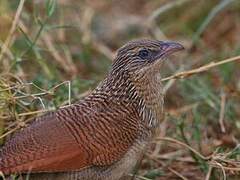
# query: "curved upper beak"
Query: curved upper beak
{"points": [[168, 48]]}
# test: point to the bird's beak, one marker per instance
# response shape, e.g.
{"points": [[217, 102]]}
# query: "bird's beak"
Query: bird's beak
{"points": [[168, 48]]}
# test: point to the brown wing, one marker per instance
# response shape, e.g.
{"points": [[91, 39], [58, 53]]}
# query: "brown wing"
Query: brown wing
{"points": [[72, 138]]}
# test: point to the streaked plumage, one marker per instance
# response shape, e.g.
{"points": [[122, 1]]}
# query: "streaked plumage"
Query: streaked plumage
{"points": [[104, 134]]}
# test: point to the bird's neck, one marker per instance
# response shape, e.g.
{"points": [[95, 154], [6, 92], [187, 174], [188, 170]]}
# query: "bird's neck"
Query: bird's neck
{"points": [[150, 88], [143, 90]]}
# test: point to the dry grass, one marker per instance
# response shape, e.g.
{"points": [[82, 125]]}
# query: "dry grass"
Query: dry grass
{"points": [[47, 45], [201, 69]]}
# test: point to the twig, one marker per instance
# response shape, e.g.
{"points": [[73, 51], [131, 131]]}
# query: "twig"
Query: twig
{"points": [[183, 109], [209, 173], [212, 159], [225, 167], [223, 170], [179, 159], [8, 132], [230, 152], [7, 51], [170, 83], [44, 92], [13, 28], [169, 168], [183, 144], [68, 66], [35, 112], [222, 112], [24, 114], [203, 68]]}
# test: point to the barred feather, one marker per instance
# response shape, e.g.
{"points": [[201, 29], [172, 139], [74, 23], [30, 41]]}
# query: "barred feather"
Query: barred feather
{"points": [[103, 135]]}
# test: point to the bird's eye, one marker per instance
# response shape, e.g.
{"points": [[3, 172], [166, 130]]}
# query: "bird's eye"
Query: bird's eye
{"points": [[143, 53]]}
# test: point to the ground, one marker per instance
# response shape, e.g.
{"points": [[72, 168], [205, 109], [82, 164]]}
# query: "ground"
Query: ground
{"points": [[55, 52]]}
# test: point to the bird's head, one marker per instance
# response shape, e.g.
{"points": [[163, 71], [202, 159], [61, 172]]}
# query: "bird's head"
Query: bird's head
{"points": [[143, 56]]}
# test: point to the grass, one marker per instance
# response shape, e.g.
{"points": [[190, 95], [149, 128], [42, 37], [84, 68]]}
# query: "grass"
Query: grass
{"points": [[55, 52]]}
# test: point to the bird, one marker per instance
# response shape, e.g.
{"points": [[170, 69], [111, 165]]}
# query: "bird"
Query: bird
{"points": [[103, 135]]}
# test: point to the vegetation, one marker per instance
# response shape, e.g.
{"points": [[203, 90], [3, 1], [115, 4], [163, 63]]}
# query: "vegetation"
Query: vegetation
{"points": [[54, 52]]}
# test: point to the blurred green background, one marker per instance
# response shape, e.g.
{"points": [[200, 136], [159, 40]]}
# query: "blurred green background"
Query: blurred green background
{"points": [[60, 50]]}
